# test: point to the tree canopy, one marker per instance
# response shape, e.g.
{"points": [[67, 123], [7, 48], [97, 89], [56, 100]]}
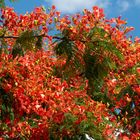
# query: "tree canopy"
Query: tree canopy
{"points": [[84, 78]]}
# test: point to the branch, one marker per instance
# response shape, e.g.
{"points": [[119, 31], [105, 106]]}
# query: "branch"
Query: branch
{"points": [[36, 36], [43, 35]]}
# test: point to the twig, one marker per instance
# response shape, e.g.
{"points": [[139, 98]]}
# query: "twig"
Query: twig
{"points": [[41, 35]]}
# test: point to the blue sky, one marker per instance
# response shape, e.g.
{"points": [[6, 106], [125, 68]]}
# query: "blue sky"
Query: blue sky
{"points": [[128, 9]]}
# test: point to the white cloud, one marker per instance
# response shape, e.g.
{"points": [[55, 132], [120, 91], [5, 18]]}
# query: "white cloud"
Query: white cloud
{"points": [[70, 6], [123, 5], [137, 2]]}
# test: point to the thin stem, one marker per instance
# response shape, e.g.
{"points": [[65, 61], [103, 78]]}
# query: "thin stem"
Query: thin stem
{"points": [[41, 35]]}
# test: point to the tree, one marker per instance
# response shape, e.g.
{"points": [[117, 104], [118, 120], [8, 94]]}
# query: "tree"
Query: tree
{"points": [[86, 81]]}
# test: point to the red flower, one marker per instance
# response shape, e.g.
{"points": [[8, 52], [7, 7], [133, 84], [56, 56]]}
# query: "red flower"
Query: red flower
{"points": [[58, 118], [138, 70], [138, 124]]}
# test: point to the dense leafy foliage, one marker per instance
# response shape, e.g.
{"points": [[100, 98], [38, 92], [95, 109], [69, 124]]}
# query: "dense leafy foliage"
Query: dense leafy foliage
{"points": [[83, 80]]}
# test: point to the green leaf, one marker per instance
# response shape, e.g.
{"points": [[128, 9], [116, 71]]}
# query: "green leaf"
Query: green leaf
{"points": [[111, 48], [70, 118], [96, 31], [28, 40], [4, 108], [89, 114], [32, 123], [2, 3], [12, 116], [79, 101]]}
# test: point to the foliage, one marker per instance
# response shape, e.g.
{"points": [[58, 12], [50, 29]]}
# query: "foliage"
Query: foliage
{"points": [[84, 80], [2, 3]]}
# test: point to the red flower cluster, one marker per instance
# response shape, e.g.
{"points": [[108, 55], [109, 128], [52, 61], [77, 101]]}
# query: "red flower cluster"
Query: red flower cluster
{"points": [[37, 103]]}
